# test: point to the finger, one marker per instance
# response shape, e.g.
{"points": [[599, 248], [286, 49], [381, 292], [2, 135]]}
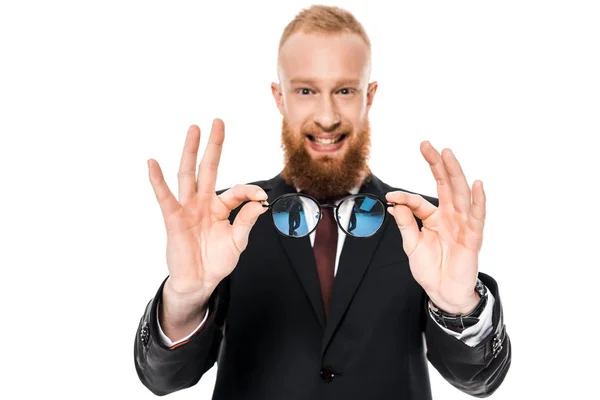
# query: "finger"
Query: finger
{"points": [[408, 227], [461, 193], [436, 164], [235, 196], [417, 204], [167, 202], [207, 173], [478, 208], [243, 223], [187, 167]]}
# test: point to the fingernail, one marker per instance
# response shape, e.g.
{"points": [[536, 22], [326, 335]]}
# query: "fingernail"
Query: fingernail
{"points": [[261, 195]]}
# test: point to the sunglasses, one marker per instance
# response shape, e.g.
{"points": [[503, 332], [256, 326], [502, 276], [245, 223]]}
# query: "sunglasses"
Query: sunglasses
{"points": [[296, 214]]}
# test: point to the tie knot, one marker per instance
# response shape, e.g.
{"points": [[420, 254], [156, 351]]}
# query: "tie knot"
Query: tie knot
{"points": [[327, 212], [333, 199]]}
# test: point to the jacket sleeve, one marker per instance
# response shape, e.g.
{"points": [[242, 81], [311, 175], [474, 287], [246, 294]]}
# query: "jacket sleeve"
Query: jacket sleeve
{"points": [[165, 370], [479, 370]]}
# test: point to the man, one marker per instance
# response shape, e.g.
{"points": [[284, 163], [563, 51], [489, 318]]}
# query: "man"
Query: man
{"points": [[324, 314]]}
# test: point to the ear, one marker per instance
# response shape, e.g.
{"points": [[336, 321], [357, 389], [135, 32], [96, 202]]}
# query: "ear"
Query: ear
{"points": [[371, 94], [278, 96]]}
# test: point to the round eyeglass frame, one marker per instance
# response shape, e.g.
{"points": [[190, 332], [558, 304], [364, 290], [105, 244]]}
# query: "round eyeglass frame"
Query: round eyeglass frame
{"points": [[335, 207]]}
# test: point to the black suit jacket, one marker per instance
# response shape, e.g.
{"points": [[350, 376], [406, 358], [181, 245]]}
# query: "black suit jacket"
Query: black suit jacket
{"points": [[268, 334]]}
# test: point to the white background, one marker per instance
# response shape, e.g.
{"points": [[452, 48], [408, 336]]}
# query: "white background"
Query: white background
{"points": [[90, 90]]}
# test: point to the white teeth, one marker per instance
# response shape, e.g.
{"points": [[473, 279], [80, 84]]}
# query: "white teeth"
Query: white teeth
{"points": [[327, 141]]}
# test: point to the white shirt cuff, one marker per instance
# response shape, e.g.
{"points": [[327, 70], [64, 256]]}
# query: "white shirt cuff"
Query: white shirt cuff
{"points": [[165, 339], [473, 335]]}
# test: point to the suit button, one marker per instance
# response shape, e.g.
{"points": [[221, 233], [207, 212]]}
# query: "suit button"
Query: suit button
{"points": [[327, 374]]}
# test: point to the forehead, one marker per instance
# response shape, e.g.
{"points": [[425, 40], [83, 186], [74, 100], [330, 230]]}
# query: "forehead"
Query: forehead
{"points": [[324, 57]]}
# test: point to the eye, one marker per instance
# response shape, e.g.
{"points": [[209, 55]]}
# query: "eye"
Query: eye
{"points": [[345, 91], [304, 91]]}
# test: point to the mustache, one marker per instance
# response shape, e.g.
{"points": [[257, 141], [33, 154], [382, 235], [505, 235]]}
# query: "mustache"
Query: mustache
{"points": [[313, 129]]}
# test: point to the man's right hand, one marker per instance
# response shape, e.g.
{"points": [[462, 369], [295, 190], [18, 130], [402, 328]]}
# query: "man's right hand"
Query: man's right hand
{"points": [[203, 247]]}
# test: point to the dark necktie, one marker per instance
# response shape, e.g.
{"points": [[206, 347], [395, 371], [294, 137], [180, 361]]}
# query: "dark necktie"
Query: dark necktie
{"points": [[325, 247]]}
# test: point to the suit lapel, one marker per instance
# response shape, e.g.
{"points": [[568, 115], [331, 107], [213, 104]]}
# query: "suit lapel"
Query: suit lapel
{"points": [[301, 257], [354, 260]]}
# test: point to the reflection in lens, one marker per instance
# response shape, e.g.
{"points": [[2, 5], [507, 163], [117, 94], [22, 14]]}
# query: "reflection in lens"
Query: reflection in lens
{"points": [[295, 215], [364, 215]]}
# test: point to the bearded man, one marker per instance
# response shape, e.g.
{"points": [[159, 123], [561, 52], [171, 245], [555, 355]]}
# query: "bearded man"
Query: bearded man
{"points": [[322, 282]]}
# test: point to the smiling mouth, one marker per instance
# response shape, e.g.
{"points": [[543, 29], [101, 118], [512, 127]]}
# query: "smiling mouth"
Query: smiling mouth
{"points": [[326, 141]]}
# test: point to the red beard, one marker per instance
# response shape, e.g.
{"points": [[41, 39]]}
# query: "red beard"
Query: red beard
{"points": [[325, 176]]}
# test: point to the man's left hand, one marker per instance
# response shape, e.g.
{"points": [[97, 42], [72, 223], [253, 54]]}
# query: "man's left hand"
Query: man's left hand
{"points": [[443, 255]]}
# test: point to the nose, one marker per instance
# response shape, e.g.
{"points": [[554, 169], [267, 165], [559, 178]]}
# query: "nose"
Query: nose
{"points": [[326, 114]]}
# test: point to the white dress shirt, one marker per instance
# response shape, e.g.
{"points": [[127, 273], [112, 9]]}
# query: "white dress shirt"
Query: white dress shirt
{"points": [[470, 336]]}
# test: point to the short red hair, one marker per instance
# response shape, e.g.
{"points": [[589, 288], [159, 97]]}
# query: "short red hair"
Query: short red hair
{"points": [[324, 19]]}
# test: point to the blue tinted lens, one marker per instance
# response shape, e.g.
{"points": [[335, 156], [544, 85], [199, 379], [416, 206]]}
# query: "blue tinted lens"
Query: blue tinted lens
{"points": [[367, 204], [361, 215], [296, 215]]}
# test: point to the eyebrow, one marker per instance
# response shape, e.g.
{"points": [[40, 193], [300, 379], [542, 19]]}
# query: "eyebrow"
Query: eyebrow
{"points": [[341, 82]]}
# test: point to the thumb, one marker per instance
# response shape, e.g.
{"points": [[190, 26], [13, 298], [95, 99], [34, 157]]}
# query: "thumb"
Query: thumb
{"points": [[244, 221], [408, 227]]}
